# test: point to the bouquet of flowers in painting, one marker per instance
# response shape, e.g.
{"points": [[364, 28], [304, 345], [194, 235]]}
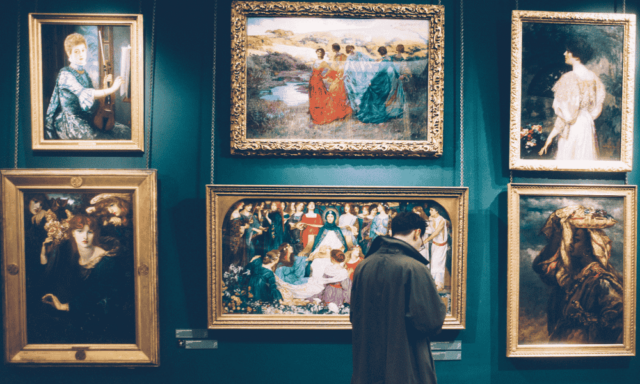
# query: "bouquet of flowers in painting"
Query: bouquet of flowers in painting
{"points": [[299, 257], [531, 139]]}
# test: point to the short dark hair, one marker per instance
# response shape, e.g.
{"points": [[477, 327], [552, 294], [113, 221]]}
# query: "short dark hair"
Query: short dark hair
{"points": [[321, 50], [337, 255], [580, 49], [335, 47], [349, 48], [405, 222], [400, 48], [382, 51]]}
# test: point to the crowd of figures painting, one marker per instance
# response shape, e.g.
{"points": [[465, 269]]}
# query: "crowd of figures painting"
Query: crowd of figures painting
{"points": [[79, 268], [357, 85], [300, 256]]}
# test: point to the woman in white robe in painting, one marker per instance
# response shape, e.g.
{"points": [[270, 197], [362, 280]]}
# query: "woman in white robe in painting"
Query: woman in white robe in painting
{"points": [[578, 99]]}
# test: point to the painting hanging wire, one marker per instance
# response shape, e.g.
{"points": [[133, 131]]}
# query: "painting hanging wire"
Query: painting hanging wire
{"points": [[461, 93], [152, 61], [17, 121], [213, 85]]}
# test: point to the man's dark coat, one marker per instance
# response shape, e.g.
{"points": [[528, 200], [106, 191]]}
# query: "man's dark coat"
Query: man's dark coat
{"points": [[395, 309]]}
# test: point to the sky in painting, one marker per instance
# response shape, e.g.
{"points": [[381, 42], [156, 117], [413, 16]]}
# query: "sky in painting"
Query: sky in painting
{"points": [[401, 29]]}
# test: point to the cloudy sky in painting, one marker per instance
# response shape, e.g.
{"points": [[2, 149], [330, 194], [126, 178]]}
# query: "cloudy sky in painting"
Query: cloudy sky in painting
{"points": [[375, 28]]}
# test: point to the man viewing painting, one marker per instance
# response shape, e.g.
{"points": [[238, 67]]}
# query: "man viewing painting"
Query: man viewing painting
{"points": [[309, 267]]}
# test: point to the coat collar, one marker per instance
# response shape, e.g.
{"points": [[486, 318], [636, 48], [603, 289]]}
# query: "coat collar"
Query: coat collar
{"points": [[382, 242]]}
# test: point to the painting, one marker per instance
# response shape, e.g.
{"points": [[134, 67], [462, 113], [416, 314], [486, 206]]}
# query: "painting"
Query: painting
{"points": [[80, 267], [572, 91], [331, 79], [572, 270], [284, 257], [86, 82]]}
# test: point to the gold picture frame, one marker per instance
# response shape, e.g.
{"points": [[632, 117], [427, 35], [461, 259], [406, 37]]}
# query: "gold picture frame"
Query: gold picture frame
{"points": [[568, 113], [280, 106], [67, 113], [94, 322], [232, 304], [571, 270]]}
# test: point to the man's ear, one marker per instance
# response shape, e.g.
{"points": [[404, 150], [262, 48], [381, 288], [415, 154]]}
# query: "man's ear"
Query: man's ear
{"points": [[416, 234]]}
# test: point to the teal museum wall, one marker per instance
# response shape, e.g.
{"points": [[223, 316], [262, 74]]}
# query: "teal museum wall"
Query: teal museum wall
{"points": [[181, 150]]}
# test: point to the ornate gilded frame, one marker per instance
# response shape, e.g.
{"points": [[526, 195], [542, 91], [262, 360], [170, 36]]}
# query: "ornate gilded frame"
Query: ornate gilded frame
{"points": [[134, 22], [241, 145], [220, 198], [142, 185], [628, 21], [628, 194]]}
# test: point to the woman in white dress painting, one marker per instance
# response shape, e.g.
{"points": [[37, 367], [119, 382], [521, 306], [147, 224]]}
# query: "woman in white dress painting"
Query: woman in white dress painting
{"points": [[578, 98], [438, 235]]}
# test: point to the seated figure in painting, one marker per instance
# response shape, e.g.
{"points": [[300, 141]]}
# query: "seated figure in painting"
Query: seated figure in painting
{"points": [[384, 98], [291, 268], [586, 303], [90, 287], [73, 102], [262, 280], [338, 292], [330, 234]]}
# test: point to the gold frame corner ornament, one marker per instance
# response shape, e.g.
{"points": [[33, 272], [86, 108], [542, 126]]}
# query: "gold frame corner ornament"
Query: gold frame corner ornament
{"points": [[143, 186], [135, 23], [628, 21], [629, 248], [241, 145], [221, 197]]}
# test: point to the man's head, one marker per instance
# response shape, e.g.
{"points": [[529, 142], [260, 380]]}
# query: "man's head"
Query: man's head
{"points": [[409, 227]]}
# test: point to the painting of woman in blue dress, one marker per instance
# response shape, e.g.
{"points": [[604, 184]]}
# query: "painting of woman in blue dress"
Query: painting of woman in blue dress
{"points": [[76, 99], [291, 267], [275, 228], [384, 99], [380, 223]]}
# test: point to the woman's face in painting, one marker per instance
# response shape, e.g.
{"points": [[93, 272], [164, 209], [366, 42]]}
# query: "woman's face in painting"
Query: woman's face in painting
{"points": [[365, 210], [274, 207], [247, 208], [83, 237], [78, 55], [347, 208], [569, 59], [35, 206], [114, 209], [320, 54], [330, 218], [433, 212], [239, 207], [356, 210], [381, 208], [311, 207], [299, 207], [374, 211]]}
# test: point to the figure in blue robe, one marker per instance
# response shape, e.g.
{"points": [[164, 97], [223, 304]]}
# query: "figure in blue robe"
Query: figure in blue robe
{"points": [[72, 107], [330, 234], [359, 70], [294, 274], [262, 282], [384, 99], [275, 232]]}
